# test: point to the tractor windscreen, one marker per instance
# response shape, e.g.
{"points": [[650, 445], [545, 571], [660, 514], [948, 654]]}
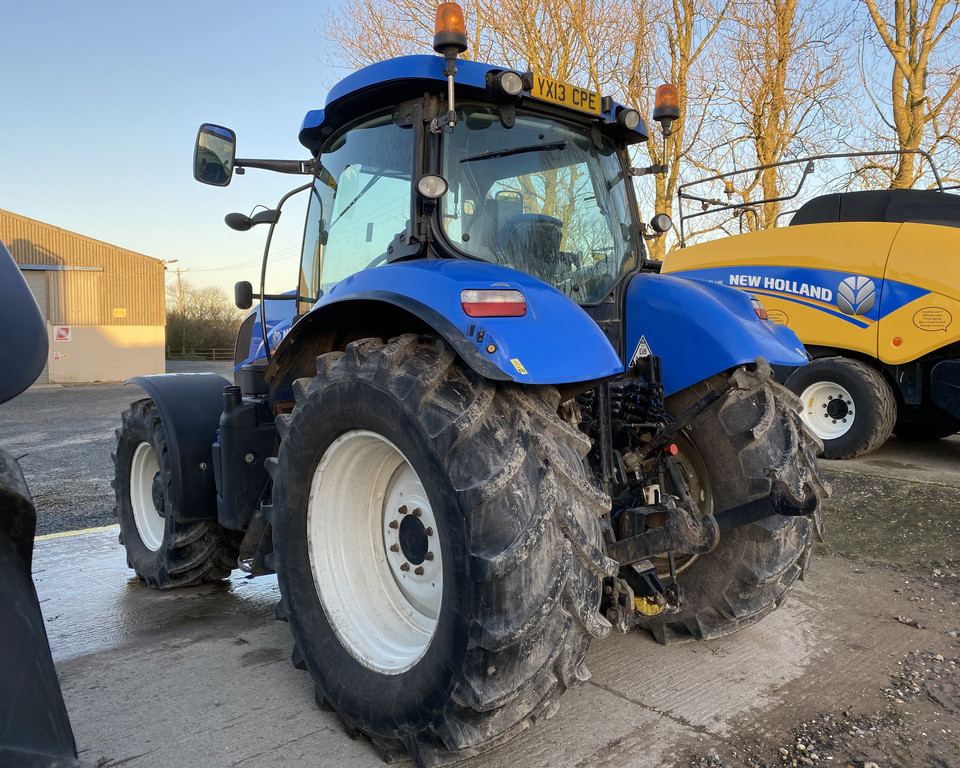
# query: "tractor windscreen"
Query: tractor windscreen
{"points": [[541, 197]]}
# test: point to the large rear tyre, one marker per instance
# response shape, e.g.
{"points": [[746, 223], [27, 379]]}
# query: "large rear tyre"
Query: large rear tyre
{"points": [[725, 455], [164, 553], [437, 548], [846, 403]]}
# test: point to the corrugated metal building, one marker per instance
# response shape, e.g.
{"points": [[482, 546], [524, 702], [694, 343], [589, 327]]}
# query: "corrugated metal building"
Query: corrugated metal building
{"points": [[104, 305]]}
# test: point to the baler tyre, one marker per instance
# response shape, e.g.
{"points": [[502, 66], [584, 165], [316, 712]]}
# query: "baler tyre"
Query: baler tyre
{"points": [[724, 455], [164, 553], [846, 403], [437, 547]]}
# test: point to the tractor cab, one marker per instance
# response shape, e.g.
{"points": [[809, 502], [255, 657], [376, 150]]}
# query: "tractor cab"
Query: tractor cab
{"points": [[429, 157]]}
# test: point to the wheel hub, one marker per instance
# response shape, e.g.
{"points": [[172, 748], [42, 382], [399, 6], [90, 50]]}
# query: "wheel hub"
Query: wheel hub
{"points": [[828, 409], [837, 408], [375, 552], [146, 496], [156, 491], [414, 543]]}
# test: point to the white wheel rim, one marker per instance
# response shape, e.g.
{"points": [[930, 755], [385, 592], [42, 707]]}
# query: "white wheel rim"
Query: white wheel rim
{"points": [[828, 409], [150, 523], [374, 552]]}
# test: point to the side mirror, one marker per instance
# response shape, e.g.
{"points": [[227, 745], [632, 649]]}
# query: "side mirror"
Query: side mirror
{"points": [[214, 155], [243, 294]]}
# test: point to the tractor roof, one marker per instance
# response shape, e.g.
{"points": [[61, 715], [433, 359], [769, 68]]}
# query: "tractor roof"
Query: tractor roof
{"points": [[396, 80]]}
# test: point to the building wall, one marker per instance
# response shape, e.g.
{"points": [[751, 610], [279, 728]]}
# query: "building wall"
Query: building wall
{"points": [[105, 304], [105, 353]]}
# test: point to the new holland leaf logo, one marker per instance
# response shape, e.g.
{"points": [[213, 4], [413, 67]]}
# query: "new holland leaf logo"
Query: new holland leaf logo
{"points": [[856, 295]]}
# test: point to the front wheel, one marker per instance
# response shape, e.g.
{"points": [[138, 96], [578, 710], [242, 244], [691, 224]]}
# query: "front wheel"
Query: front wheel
{"points": [[725, 456], [164, 553], [437, 547], [846, 403]]}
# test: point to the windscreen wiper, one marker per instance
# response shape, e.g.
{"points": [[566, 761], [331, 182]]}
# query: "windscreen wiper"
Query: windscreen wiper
{"points": [[517, 151]]}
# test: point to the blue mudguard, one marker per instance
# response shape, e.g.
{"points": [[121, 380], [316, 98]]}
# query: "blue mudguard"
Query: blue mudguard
{"points": [[556, 342], [699, 329]]}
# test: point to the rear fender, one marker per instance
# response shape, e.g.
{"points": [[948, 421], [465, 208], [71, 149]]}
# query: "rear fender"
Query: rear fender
{"points": [[190, 405], [699, 329], [556, 342]]}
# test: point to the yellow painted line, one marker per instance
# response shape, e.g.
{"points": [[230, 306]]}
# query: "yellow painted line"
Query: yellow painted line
{"points": [[64, 534]]}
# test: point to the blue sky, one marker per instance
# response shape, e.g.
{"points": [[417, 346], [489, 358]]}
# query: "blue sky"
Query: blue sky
{"points": [[101, 105]]}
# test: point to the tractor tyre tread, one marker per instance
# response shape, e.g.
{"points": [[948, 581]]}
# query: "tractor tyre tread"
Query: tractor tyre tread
{"points": [[753, 567], [534, 567]]}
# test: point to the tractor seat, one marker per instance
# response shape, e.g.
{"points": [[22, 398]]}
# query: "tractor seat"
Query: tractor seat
{"points": [[530, 242]]}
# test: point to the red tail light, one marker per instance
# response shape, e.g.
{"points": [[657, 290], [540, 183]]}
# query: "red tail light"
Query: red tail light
{"points": [[493, 302]]}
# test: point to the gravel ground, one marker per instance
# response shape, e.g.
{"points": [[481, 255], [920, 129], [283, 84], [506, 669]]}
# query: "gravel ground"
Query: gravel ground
{"points": [[64, 437]]}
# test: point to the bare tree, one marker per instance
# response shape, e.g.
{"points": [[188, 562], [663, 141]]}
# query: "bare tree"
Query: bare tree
{"points": [[199, 318], [919, 38], [784, 77], [673, 41]]}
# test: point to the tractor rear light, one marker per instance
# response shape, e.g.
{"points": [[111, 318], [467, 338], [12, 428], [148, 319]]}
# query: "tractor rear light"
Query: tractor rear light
{"points": [[493, 303], [758, 308]]}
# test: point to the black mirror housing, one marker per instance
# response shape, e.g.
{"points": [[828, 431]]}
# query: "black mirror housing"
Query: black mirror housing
{"points": [[214, 155], [243, 294]]}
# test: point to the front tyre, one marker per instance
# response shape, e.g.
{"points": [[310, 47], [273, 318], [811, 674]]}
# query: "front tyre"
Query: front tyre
{"points": [[164, 553], [437, 548], [846, 403], [726, 455]]}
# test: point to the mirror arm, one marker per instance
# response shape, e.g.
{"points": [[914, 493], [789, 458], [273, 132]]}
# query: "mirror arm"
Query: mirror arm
{"points": [[280, 166]]}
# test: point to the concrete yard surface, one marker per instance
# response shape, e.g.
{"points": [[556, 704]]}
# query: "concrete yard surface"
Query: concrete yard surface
{"points": [[202, 677]]}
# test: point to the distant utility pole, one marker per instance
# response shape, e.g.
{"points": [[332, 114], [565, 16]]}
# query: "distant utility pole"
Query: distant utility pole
{"points": [[179, 290]]}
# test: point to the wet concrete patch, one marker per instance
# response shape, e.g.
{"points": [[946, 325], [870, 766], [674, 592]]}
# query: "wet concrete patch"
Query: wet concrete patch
{"points": [[92, 602]]}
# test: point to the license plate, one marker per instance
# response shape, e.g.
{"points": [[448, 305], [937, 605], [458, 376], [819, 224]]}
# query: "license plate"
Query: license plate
{"points": [[565, 94]]}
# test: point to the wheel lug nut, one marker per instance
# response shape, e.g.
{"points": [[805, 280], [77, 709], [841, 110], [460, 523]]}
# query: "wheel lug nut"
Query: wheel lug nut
{"points": [[394, 524], [394, 547], [419, 570], [405, 567], [429, 531], [417, 512], [428, 556], [403, 510]]}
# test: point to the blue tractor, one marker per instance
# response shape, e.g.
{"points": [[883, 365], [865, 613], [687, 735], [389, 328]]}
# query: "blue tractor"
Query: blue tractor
{"points": [[481, 430]]}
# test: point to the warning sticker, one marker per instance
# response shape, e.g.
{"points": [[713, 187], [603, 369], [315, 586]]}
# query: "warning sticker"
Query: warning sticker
{"points": [[642, 350], [519, 366], [932, 319], [62, 333]]}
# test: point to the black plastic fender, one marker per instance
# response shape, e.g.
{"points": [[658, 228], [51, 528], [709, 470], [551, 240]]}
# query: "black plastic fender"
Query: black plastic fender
{"points": [[190, 405], [25, 342], [34, 728]]}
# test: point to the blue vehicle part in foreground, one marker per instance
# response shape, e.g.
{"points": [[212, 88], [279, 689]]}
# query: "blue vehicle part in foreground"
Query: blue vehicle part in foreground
{"points": [[280, 315], [699, 329], [555, 342]]}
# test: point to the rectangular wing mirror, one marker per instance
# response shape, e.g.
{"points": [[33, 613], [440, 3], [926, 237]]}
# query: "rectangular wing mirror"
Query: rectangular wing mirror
{"points": [[214, 155]]}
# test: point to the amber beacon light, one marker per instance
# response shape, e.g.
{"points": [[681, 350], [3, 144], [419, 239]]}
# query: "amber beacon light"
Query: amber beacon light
{"points": [[450, 32]]}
